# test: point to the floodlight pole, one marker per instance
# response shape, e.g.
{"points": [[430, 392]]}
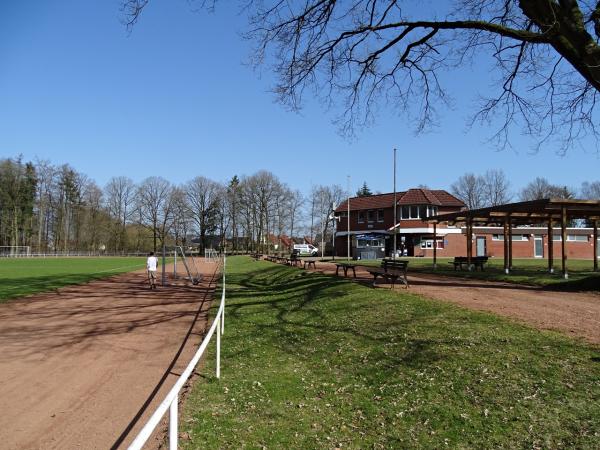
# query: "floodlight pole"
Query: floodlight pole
{"points": [[395, 210]]}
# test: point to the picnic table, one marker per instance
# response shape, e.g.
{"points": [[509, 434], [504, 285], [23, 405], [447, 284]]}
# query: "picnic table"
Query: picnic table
{"points": [[345, 267], [309, 262]]}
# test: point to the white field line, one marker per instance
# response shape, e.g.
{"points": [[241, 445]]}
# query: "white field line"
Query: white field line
{"points": [[81, 273]]}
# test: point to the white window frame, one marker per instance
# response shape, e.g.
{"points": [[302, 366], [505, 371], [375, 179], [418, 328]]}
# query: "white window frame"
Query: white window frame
{"points": [[500, 237], [361, 220], [382, 215], [573, 238], [427, 244]]}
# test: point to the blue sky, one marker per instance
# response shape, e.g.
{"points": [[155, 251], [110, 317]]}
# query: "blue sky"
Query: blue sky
{"points": [[174, 99]]}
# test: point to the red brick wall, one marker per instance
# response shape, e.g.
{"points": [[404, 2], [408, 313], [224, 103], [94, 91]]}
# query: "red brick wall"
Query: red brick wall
{"points": [[456, 245]]}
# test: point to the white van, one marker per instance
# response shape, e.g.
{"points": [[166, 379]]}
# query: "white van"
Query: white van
{"points": [[304, 249]]}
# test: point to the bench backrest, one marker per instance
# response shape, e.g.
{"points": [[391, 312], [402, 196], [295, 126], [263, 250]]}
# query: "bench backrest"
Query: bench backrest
{"points": [[394, 264], [474, 259]]}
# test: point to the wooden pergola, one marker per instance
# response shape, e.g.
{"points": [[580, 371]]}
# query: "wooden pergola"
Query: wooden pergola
{"points": [[535, 212]]}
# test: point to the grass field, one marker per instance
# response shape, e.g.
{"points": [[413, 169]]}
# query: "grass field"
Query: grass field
{"points": [[25, 276], [315, 361], [525, 271]]}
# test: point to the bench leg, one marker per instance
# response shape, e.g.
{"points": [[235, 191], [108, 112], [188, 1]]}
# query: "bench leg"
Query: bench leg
{"points": [[354, 272], [374, 279], [337, 271]]}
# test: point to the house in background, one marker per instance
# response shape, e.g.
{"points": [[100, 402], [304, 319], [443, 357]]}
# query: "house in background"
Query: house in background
{"points": [[372, 223], [372, 227]]}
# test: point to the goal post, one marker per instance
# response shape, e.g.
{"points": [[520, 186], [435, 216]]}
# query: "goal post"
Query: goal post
{"points": [[15, 251], [211, 255], [189, 264]]}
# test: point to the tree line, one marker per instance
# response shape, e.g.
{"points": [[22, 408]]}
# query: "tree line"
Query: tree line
{"points": [[493, 188], [54, 208]]}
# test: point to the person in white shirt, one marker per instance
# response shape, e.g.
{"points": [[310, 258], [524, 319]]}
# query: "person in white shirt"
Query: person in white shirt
{"points": [[151, 266]]}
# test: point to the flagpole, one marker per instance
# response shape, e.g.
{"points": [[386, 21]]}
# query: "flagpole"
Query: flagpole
{"points": [[348, 220], [395, 210]]}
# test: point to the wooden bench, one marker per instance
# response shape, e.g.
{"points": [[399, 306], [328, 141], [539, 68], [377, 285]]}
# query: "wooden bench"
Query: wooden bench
{"points": [[476, 261], [257, 256], [391, 271], [345, 267], [308, 263]]}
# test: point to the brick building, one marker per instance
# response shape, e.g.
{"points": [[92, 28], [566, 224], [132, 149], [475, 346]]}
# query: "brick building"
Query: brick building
{"points": [[372, 222], [372, 227]]}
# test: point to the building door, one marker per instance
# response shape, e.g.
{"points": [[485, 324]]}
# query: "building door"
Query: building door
{"points": [[481, 247], [538, 247]]}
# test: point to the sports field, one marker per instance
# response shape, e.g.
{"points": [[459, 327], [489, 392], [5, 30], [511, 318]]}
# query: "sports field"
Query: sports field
{"points": [[315, 361], [25, 276]]}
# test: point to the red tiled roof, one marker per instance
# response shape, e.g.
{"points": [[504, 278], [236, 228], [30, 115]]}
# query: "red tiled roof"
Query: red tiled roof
{"points": [[410, 197], [448, 199], [369, 202]]}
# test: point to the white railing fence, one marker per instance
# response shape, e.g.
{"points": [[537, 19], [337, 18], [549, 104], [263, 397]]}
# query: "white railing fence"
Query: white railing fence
{"points": [[171, 400]]}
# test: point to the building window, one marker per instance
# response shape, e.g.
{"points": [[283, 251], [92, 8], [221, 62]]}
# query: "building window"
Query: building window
{"points": [[516, 237], [577, 238], [371, 215], [428, 244], [380, 215], [418, 211], [344, 214], [556, 237], [428, 211], [361, 217], [369, 243]]}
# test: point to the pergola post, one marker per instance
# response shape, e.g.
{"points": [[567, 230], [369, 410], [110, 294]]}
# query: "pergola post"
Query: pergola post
{"points": [[550, 246], [595, 246], [470, 243], [510, 244], [434, 245], [563, 233], [506, 247]]}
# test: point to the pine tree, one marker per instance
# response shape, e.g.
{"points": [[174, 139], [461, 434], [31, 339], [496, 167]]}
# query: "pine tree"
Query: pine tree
{"points": [[364, 191]]}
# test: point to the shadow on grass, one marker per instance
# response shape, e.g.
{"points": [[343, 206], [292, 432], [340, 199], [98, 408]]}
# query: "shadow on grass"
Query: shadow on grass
{"points": [[299, 306]]}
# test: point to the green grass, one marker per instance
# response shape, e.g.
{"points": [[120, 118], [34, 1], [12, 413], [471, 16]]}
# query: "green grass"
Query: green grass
{"points": [[525, 271], [314, 361], [25, 276]]}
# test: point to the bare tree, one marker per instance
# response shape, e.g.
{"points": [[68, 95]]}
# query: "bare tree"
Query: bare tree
{"points": [[365, 52], [496, 188], [120, 196], [182, 218], [154, 203], [591, 190], [540, 188], [470, 188], [294, 204], [203, 197], [324, 200]]}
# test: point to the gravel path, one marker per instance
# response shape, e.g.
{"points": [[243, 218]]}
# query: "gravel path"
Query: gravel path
{"points": [[85, 366]]}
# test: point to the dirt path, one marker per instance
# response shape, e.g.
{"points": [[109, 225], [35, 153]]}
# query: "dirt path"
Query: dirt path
{"points": [[576, 314], [79, 366]]}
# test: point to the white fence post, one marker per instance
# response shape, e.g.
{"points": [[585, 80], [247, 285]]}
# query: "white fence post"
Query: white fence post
{"points": [[219, 348], [173, 424], [171, 400]]}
